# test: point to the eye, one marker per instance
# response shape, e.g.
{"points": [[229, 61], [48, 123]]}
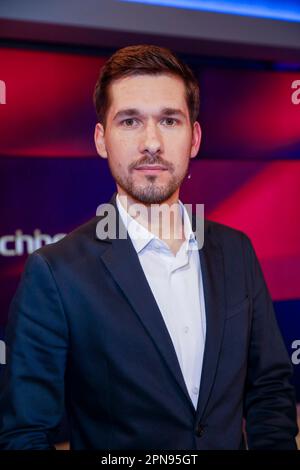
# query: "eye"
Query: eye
{"points": [[170, 122], [128, 122]]}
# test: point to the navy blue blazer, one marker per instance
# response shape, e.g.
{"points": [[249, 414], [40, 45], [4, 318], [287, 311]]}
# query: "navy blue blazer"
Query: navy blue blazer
{"points": [[86, 333]]}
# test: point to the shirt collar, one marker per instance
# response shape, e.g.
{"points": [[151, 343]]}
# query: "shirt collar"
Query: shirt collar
{"points": [[141, 237]]}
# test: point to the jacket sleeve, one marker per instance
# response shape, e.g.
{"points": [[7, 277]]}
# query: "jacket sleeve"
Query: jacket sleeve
{"points": [[32, 385], [269, 400]]}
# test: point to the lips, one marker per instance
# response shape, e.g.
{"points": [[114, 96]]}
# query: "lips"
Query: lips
{"points": [[151, 168]]}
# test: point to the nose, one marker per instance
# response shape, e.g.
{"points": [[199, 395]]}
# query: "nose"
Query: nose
{"points": [[151, 141]]}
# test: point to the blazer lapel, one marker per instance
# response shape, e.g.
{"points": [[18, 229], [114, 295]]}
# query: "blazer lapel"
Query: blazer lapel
{"points": [[211, 259], [121, 259]]}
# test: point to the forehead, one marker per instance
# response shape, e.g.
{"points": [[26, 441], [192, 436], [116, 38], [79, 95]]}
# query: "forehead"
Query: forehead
{"points": [[148, 92]]}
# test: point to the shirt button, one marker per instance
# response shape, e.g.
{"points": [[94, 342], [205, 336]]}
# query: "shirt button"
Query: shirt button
{"points": [[195, 390], [186, 329]]}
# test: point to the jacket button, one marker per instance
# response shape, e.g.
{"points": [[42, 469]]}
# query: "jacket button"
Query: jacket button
{"points": [[200, 430]]}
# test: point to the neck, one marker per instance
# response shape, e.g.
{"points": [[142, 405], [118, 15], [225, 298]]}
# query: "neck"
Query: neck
{"points": [[163, 220]]}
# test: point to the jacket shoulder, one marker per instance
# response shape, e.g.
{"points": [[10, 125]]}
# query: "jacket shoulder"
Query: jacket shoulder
{"points": [[230, 239], [80, 242]]}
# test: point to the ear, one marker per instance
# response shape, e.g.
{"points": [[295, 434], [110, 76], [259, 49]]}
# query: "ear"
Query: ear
{"points": [[100, 140], [196, 141]]}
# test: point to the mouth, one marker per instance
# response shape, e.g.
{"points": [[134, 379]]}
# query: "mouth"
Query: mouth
{"points": [[151, 169]]}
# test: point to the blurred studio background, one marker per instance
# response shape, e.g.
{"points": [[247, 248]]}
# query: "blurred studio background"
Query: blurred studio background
{"points": [[246, 56]]}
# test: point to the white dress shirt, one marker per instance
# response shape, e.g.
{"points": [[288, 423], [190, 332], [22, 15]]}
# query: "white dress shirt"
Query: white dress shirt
{"points": [[176, 283]]}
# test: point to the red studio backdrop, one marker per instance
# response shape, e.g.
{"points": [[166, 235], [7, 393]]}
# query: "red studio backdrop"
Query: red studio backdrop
{"points": [[247, 173]]}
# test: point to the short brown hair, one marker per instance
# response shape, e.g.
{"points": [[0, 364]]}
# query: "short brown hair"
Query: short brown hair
{"points": [[140, 60]]}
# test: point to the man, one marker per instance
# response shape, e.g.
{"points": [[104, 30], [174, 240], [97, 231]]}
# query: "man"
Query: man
{"points": [[149, 342]]}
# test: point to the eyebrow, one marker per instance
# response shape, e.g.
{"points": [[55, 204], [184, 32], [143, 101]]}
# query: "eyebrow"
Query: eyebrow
{"points": [[129, 112]]}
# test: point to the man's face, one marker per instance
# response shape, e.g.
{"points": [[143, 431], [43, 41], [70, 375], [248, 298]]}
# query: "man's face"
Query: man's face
{"points": [[148, 138]]}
